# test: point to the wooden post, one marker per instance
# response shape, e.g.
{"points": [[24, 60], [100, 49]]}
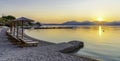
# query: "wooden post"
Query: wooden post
{"points": [[11, 28], [22, 29], [14, 28], [17, 29]]}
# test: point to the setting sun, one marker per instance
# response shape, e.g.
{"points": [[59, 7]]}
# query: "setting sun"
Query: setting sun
{"points": [[100, 19]]}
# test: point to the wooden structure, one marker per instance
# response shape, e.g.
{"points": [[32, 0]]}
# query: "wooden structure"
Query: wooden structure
{"points": [[17, 33]]}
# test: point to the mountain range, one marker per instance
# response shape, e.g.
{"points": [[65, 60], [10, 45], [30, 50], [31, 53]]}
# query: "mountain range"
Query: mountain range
{"points": [[87, 23]]}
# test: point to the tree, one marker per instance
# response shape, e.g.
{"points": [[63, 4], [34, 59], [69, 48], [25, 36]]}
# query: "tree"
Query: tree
{"points": [[2, 21], [38, 23], [5, 19], [9, 17]]}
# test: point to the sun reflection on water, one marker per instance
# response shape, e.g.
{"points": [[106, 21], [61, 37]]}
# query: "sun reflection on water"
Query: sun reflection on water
{"points": [[100, 31]]}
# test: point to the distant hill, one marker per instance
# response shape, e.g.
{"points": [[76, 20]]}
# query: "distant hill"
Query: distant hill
{"points": [[113, 23], [78, 23], [86, 23]]}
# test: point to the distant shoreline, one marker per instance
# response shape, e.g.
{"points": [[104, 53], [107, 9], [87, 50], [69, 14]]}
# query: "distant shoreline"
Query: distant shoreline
{"points": [[61, 26], [79, 25]]}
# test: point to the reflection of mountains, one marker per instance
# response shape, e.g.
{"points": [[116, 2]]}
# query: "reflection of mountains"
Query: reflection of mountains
{"points": [[91, 23]]}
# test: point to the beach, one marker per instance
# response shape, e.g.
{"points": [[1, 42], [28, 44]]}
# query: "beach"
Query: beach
{"points": [[43, 52]]}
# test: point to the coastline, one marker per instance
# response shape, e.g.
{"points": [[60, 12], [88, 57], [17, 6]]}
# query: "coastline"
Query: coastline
{"points": [[45, 51], [41, 41], [46, 42]]}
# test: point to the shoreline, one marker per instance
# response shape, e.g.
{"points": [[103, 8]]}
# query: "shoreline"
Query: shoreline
{"points": [[45, 51], [46, 42], [85, 57]]}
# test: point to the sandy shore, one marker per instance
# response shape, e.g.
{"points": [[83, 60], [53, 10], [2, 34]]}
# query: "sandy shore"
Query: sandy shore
{"points": [[43, 52]]}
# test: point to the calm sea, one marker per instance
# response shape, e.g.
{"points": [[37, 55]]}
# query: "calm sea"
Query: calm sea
{"points": [[101, 42]]}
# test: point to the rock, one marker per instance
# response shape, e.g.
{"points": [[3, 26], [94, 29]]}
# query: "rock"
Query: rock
{"points": [[73, 47], [76, 43]]}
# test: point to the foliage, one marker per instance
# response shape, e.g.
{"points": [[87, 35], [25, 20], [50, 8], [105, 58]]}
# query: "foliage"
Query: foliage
{"points": [[2, 21], [9, 17], [38, 23], [5, 19]]}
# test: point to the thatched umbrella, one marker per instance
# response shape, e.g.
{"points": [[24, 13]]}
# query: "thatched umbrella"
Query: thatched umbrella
{"points": [[22, 20]]}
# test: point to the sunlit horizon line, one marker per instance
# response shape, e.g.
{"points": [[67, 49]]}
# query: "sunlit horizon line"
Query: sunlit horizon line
{"points": [[53, 21], [61, 20], [43, 20]]}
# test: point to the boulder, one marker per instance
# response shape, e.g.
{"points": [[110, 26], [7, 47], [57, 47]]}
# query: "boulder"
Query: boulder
{"points": [[73, 47]]}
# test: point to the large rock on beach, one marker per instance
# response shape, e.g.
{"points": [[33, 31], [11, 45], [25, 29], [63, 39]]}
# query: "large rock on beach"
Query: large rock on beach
{"points": [[71, 46]]}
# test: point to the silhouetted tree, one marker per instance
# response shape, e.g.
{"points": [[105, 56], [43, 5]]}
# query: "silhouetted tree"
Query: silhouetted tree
{"points": [[9, 17], [38, 23], [5, 19], [2, 21]]}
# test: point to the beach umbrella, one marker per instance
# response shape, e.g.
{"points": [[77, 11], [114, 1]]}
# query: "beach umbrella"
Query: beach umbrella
{"points": [[22, 20]]}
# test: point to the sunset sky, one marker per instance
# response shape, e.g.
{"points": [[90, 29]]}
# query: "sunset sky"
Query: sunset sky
{"points": [[58, 11]]}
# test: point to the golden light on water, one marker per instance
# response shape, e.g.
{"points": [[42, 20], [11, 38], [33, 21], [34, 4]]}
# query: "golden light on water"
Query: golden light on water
{"points": [[100, 31]]}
